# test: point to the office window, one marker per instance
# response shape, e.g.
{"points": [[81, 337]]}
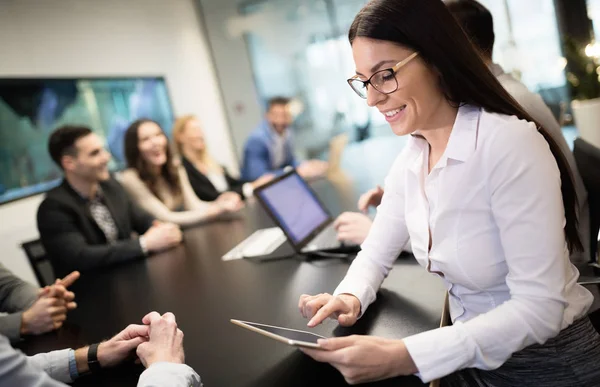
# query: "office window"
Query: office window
{"points": [[300, 49], [593, 9], [527, 41]]}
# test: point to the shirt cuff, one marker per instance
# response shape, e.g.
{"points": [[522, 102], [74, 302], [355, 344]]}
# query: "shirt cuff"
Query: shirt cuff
{"points": [[73, 373], [364, 293], [143, 246], [247, 190], [169, 374], [438, 353], [55, 364]]}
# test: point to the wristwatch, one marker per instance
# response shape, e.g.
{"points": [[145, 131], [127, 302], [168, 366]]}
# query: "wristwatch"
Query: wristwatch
{"points": [[93, 363]]}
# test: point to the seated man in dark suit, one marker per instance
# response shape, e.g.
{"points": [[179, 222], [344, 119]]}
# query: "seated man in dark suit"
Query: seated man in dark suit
{"points": [[88, 221]]}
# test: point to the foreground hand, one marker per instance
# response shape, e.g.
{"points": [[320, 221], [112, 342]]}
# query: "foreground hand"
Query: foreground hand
{"points": [[165, 342], [59, 290], [50, 310], [68, 280], [122, 346], [362, 359], [230, 202], [45, 315], [345, 308], [352, 227], [371, 198], [312, 168]]}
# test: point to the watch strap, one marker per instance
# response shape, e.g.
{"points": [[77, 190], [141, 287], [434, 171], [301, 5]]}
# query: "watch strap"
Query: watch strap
{"points": [[93, 362]]}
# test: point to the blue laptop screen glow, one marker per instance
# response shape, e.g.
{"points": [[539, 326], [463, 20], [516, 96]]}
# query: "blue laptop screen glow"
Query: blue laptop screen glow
{"points": [[295, 206]]}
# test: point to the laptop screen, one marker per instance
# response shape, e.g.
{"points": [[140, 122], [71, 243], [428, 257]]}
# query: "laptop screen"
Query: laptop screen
{"points": [[294, 205]]}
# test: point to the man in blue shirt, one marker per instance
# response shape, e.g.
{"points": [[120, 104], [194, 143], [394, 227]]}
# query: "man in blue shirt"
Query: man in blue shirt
{"points": [[269, 148]]}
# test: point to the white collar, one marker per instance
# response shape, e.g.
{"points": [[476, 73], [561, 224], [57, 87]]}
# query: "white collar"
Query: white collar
{"points": [[462, 141]]}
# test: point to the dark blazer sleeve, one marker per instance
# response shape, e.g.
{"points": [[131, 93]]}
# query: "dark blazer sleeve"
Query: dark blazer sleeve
{"points": [[141, 220], [235, 185], [66, 244], [203, 188]]}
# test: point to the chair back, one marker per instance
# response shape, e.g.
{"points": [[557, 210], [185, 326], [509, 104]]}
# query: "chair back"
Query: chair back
{"points": [[587, 157], [39, 261]]}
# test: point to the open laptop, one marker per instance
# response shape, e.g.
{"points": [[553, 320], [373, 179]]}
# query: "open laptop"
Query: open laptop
{"points": [[301, 217]]}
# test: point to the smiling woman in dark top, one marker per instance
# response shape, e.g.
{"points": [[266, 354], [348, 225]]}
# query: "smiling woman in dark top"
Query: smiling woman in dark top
{"points": [[208, 179]]}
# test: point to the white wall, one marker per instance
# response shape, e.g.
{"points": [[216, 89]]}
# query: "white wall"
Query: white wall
{"points": [[17, 225], [233, 69], [104, 38]]}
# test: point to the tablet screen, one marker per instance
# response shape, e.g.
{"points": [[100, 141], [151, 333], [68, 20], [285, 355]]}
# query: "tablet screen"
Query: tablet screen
{"points": [[290, 334]]}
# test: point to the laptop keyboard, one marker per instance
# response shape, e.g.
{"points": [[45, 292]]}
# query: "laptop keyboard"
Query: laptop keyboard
{"points": [[261, 242], [327, 239]]}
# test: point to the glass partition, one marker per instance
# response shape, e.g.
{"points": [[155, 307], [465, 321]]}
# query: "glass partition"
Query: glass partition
{"points": [[299, 48]]}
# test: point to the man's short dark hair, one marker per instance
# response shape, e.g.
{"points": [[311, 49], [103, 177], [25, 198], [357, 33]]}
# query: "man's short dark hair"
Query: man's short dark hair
{"points": [[277, 101], [477, 22], [62, 141]]}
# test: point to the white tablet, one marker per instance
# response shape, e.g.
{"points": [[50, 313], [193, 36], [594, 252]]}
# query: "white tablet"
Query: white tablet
{"points": [[285, 335]]}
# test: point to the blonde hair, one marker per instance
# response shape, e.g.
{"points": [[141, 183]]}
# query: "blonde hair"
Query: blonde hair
{"points": [[204, 155]]}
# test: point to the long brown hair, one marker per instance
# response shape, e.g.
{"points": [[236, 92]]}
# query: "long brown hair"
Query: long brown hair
{"points": [[204, 156], [427, 27], [136, 161]]}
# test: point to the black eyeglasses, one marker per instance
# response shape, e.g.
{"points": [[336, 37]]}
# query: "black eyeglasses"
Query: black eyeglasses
{"points": [[384, 81]]}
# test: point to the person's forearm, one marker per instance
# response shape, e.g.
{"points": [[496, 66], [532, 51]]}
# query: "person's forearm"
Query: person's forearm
{"points": [[18, 370], [81, 358], [81, 256], [15, 294], [189, 218], [24, 328], [11, 326], [255, 168], [55, 364]]}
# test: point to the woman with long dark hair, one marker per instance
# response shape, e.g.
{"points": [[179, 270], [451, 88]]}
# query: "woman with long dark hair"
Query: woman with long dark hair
{"points": [[160, 184], [485, 196]]}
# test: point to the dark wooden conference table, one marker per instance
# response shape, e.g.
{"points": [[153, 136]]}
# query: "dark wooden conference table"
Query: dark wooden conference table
{"points": [[205, 292]]}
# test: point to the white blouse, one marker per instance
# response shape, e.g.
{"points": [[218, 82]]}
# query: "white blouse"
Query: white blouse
{"points": [[218, 180], [494, 207]]}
